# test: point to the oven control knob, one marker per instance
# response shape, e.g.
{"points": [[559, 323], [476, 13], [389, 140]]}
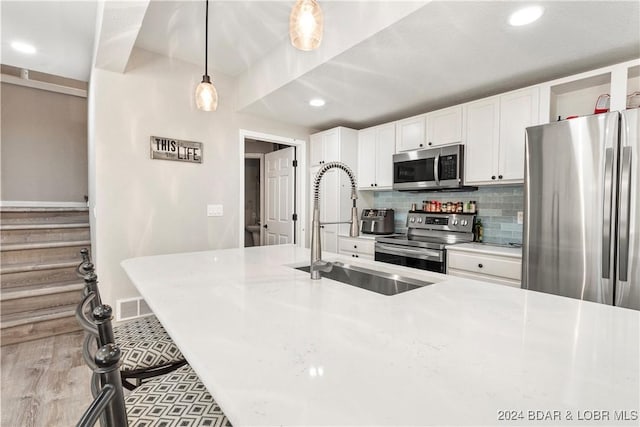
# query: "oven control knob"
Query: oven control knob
{"points": [[455, 222], [419, 220], [464, 222], [412, 219]]}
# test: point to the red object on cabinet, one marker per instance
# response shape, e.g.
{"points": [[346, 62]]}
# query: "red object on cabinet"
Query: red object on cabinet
{"points": [[602, 104]]}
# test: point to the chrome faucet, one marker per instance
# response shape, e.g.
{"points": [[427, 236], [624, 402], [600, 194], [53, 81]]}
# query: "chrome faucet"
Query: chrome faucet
{"points": [[317, 264]]}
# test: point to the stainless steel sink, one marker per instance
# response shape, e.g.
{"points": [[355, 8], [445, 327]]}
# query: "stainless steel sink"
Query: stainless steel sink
{"points": [[371, 280]]}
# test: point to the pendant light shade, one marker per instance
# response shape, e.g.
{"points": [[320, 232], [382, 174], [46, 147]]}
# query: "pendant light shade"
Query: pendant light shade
{"points": [[306, 25], [206, 93]]}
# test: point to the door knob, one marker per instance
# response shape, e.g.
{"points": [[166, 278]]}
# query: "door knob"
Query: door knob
{"points": [[265, 226], [479, 265]]}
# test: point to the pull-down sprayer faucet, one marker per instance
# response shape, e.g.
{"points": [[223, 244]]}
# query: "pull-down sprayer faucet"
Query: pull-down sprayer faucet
{"points": [[317, 264]]}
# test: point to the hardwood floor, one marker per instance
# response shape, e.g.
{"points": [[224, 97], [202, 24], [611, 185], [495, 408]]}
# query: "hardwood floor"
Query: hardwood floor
{"points": [[44, 382]]}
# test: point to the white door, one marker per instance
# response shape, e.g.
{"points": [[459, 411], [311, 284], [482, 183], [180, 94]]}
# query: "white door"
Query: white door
{"points": [[367, 159], [280, 177], [444, 126], [518, 110], [410, 133], [481, 151], [385, 149]]}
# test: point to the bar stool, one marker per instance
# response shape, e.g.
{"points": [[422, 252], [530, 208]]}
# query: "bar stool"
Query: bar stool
{"points": [[146, 349], [176, 399]]}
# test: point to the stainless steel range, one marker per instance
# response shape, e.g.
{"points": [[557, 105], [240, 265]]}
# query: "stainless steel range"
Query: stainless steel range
{"points": [[424, 244]]}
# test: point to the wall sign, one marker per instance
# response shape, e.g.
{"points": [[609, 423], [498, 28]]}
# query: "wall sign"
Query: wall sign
{"points": [[175, 149]]}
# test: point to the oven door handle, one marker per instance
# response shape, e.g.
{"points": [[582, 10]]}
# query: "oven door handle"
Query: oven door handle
{"points": [[427, 254]]}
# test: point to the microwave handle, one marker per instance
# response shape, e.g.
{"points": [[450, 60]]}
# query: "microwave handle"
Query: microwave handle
{"points": [[436, 169]]}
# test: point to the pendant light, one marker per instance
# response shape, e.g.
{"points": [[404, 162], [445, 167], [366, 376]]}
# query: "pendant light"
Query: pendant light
{"points": [[206, 93], [305, 25]]}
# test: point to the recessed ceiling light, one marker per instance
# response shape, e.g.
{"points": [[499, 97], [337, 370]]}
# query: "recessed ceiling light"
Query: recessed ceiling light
{"points": [[525, 16], [317, 102], [23, 47]]}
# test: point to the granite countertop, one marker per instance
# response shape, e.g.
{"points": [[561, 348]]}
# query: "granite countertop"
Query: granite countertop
{"points": [[276, 348], [487, 249]]}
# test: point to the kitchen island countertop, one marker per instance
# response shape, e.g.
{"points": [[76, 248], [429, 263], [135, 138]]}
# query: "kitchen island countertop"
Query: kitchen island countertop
{"points": [[276, 348]]}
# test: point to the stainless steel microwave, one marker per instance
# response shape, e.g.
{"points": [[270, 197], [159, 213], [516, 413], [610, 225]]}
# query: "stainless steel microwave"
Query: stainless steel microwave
{"points": [[429, 170]]}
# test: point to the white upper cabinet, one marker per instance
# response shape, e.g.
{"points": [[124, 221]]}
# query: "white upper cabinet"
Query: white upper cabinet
{"points": [[410, 133], [430, 130], [376, 147], [325, 147], [444, 126], [482, 121], [518, 111], [495, 135]]}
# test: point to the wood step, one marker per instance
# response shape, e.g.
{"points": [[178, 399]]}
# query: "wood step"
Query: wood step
{"points": [[14, 216], [41, 253], [30, 274], [33, 298], [27, 267], [21, 327], [18, 319], [38, 233]]}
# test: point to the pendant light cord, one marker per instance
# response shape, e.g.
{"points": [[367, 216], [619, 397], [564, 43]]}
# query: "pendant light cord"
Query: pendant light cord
{"points": [[206, 39]]}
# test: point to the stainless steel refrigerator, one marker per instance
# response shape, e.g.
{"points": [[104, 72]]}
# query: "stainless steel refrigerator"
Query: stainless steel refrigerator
{"points": [[582, 219]]}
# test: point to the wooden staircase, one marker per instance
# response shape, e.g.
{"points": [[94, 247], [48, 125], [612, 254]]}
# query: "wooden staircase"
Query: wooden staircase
{"points": [[39, 252]]}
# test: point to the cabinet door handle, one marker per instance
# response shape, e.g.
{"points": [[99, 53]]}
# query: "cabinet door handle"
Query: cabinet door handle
{"points": [[421, 145], [479, 265], [372, 185], [355, 246], [375, 185], [499, 176], [493, 177], [430, 143], [356, 255]]}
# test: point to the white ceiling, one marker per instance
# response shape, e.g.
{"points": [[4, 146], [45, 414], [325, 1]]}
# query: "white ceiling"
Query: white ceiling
{"points": [[62, 31], [240, 32], [425, 56], [449, 52]]}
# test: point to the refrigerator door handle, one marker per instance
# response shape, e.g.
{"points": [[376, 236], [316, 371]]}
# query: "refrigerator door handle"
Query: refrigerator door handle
{"points": [[606, 213], [624, 218]]}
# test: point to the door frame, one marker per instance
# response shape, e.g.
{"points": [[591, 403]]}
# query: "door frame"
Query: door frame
{"points": [[301, 184], [259, 156]]}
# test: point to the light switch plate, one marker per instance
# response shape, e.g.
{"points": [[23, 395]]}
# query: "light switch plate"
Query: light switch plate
{"points": [[215, 210], [520, 217]]}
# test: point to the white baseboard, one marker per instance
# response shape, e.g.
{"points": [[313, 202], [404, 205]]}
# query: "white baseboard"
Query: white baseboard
{"points": [[34, 204]]}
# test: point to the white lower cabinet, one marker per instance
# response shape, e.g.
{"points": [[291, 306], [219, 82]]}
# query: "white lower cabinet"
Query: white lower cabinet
{"points": [[488, 266], [356, 247]]}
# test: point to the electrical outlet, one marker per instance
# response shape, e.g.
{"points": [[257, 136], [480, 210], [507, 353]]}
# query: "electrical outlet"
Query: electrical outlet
{"points": [[215, 210], [520, 217]]}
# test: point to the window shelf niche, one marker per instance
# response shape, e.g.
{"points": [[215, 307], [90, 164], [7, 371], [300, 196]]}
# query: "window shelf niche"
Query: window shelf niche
{"points": [[578, 97], [633, 84]]}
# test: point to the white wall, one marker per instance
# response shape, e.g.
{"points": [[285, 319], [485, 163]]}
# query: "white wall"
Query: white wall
{"points": [[146, 207], [44, 145]]}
